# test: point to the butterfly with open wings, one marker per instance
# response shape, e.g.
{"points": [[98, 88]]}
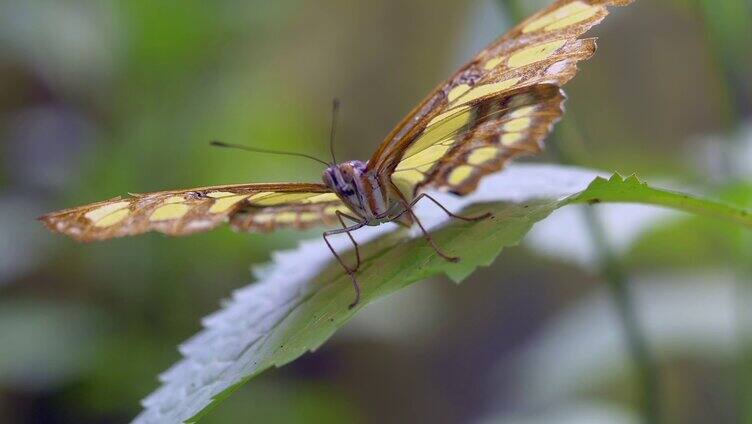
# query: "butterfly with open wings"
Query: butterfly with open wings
{"points": [[500, 105]]}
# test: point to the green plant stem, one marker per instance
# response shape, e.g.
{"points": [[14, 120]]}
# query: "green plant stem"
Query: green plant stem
{"points": [[743, 323], [728, 33], [617, 278], [612, 270]]}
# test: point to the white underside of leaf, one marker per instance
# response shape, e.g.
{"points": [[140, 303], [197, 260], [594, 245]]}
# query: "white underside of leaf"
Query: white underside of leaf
{"points": [[564, 235], [518, 183]]}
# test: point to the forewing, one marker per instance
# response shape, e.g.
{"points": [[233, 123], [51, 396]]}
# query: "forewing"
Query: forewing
{"points": [[543, 49], [248, 207]]}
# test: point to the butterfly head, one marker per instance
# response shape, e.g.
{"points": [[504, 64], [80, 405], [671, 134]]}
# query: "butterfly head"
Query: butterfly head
{"points": [[358, 187], [342, 177]]}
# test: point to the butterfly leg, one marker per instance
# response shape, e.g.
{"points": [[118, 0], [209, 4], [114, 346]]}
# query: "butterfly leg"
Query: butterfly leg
{"points": [[341, 216], [436, 202], [409, 209], [426, 235], [349, 271]]}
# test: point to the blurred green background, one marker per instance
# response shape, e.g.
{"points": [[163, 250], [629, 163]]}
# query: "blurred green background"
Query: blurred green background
{"points": [[108, 97]]}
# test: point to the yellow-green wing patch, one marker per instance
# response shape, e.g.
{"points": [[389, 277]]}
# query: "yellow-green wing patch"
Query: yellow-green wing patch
{"points": [[486, 134]]}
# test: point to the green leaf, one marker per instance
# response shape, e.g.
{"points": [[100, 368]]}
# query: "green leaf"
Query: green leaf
{"points": [[632, 190], [302, 297]]}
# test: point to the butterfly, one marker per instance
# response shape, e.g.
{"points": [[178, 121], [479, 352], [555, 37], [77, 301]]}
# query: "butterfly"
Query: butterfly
{"points": [[500, 105]]}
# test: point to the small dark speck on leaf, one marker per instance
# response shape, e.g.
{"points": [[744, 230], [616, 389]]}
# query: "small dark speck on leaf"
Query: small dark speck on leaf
{"points": [[594, 201]]}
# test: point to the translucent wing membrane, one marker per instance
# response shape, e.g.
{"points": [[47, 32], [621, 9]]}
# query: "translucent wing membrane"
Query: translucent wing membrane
{"points": [[248, 207], [543, 50]]}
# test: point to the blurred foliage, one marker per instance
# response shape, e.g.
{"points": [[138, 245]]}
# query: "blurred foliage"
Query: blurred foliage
{"points": [[102, 98]]}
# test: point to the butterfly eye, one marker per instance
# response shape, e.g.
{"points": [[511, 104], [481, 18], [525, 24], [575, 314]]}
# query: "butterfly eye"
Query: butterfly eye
{"points": [[330, 178], [347, 190]]}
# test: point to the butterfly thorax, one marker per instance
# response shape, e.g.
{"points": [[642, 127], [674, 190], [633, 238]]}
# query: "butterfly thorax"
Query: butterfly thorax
{"points": [[362, 190]]}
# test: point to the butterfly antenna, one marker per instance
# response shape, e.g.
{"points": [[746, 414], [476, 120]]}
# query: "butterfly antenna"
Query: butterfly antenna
{"points": [[335, 109], [257, 150]]}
